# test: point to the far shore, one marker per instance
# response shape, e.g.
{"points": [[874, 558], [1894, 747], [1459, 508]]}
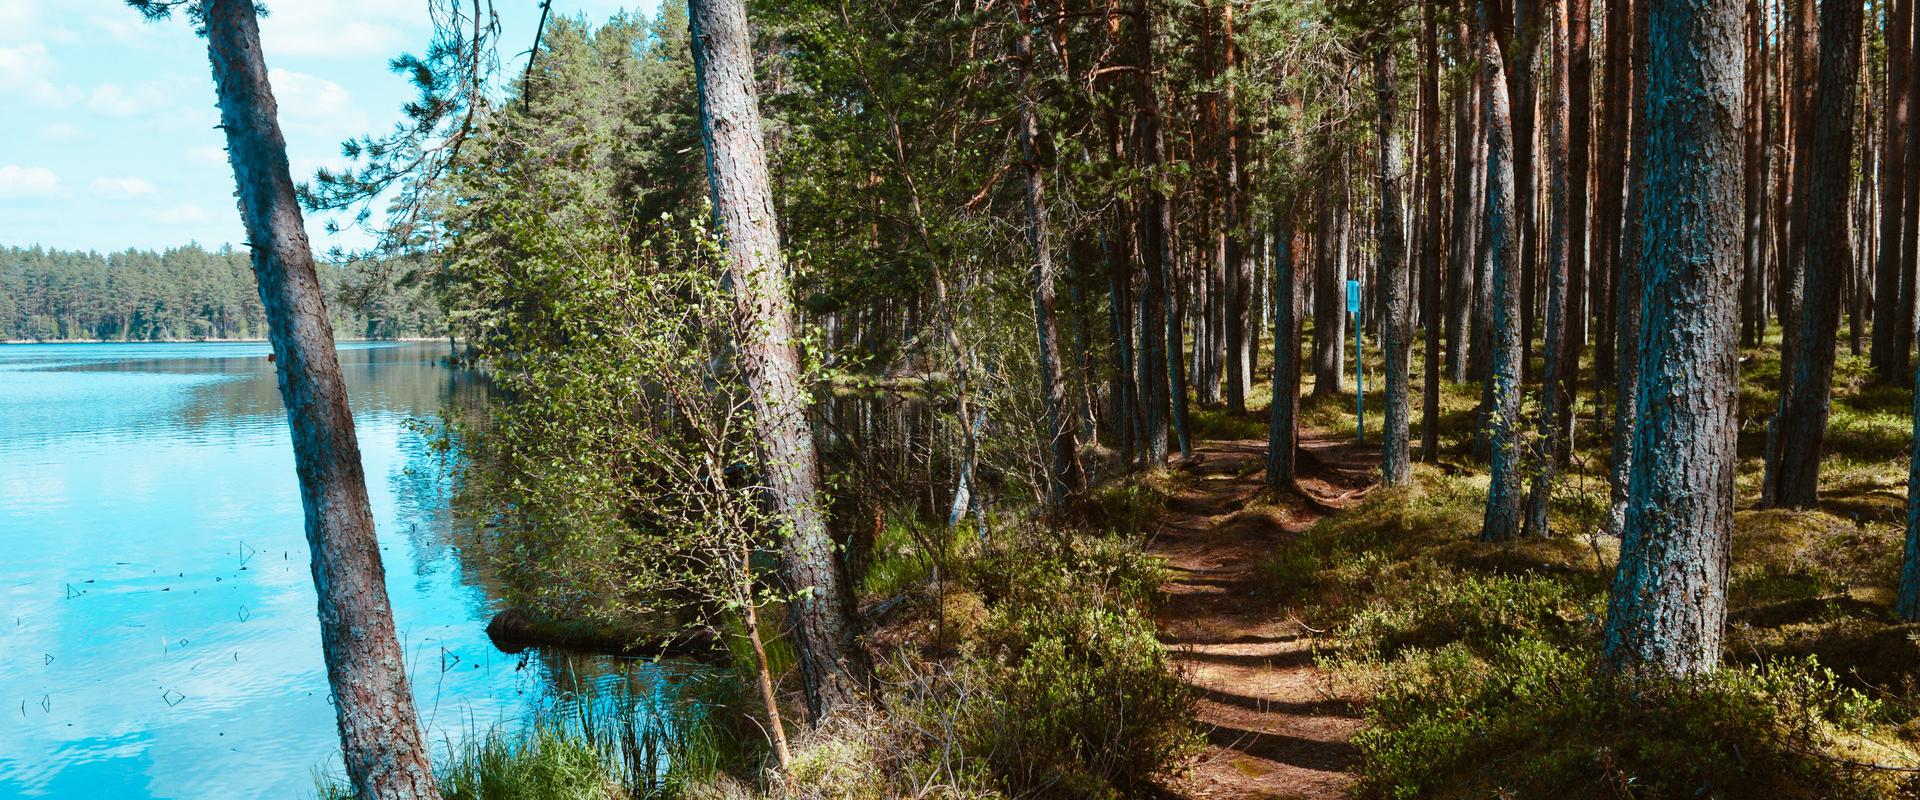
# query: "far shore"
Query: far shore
{"points": [[397, 339]]}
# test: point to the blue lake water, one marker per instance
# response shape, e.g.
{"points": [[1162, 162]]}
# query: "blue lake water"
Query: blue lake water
{"points": [[157, 629]]}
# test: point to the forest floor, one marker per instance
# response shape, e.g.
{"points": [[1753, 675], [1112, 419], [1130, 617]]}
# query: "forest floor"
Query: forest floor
{"points": [[1274, 728]]}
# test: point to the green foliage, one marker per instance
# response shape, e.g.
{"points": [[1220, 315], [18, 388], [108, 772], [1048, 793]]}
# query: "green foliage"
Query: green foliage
{"points": [[188, 293], [1530, 718], [1080, 702]]}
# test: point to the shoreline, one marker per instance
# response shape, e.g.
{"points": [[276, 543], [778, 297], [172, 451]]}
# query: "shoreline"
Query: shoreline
{"points": [[395, 340]]}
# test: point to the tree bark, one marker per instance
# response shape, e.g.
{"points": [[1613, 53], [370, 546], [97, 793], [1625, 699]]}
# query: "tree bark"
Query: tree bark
{"points": [[1502, 520], [1629, 286], [1329, 304], [1430, 237], [831, 660], [1462, 267], [1283, 432], [1156, 224], [1667, 611], [1239, 368], [1801, 422], [1889, 351], [1578, 64], [380, 739], [1396, 329], [1065, 477], [1618, 79], [1552, 400]]}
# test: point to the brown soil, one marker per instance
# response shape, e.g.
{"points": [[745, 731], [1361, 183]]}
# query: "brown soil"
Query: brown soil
{"points": [[1274, 729]]}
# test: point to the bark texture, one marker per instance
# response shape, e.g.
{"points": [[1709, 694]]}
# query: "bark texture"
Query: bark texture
{"points": [[1667, 611], [832, 662], [1396, 327], [1800, 425], [380, 738], [1283, 433], [1502, 398], [1066, 476]]}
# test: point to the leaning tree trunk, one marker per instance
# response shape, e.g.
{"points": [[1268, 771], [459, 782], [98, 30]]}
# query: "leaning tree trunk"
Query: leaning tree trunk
{"points": [[831, 661], [1667, 611], [1396, 329], [380, 739], [1552, 399], [1065, 476], [1502, 423], [1801, 424], [1283, 433]]}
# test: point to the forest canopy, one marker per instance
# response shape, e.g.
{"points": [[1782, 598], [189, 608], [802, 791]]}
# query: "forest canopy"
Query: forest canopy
{"points": [[187, 293]]}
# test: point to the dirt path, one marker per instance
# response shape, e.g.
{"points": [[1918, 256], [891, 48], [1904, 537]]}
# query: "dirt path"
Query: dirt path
{"points": [[1272, 729]]}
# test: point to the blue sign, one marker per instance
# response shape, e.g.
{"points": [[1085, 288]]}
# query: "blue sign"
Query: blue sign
{"points": [[1353, 297]]}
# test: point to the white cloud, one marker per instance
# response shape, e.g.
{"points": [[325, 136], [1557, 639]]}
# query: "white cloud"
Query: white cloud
{"points": [[28, 70], [182, 215], [122, 188], [60, 130], [18, 181], [314, 99], [338, 28], [16, 19], [119, 101]]}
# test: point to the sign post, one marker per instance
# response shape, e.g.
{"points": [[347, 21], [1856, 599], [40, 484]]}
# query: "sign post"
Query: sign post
{"points": [[1359, 374]]}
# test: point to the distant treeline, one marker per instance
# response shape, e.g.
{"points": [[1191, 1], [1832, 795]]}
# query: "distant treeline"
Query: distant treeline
{"points": [[190, 293]]}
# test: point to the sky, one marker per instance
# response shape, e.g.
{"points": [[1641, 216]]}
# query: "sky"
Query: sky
{"points": [[107, 137]]}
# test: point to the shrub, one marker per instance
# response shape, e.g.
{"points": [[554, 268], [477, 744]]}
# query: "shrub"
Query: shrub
{"points": [[1076, 702], [1531, 719]]}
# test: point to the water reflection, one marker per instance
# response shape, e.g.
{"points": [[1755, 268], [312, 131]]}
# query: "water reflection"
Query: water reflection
{"points": [[157, 630]]}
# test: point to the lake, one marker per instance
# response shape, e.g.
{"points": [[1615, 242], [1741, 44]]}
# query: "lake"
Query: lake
{"points": [[157, 629]]}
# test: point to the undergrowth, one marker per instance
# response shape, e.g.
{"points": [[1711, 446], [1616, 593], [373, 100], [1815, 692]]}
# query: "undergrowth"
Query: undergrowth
{"points": [[1480, 668]]}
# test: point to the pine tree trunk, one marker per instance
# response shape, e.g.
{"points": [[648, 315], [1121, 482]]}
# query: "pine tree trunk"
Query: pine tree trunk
{"points": [[1552, 401], [1752, 322], [1156, 224], [1667, 610], [380, 740], [1329, 305], [1801, 423], [1628, 289], [1503, 388], [1611, 194], [831, 661], [1891, 325], [1430, 236], [1283, 432], [1579, 66], [1461, 266], [1065, 477], [1396, 329]]}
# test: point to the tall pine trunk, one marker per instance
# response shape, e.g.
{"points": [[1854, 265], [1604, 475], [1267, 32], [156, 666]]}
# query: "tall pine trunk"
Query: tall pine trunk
{"points": [[380, 740], [1628, 288], [1793, 478], [1430, 234], [1462, 267], [1552, 401], [1889, 351], [831, 661], [1065, 476], [1502, 396], [1396, 329], [1283, 432], [1667, 610]]}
